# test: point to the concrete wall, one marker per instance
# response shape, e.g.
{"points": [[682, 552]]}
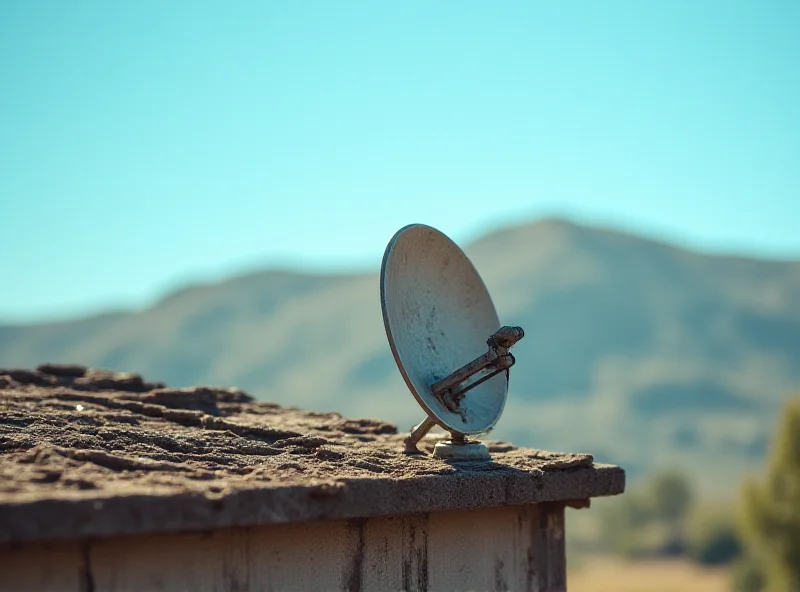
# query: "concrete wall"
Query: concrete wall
{"points": [[507, 548]]}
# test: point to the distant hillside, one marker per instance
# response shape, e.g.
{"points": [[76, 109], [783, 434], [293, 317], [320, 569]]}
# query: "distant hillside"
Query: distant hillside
{"points": [[640, 352]]}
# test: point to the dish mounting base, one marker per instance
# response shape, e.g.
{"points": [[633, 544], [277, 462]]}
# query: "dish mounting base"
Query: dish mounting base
{"points": [[461, 451]]}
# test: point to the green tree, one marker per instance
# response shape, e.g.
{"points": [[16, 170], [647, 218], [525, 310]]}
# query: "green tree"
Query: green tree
{"points": [[649, 519], [712, 538], [670, 495], [622, 524], [770, 510]]}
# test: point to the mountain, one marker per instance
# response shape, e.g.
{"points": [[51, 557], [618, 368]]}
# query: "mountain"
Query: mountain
{"points": [[640, 352]]}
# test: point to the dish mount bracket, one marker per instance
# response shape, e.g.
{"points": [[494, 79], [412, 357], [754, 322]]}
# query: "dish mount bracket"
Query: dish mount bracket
{"points": [[452, 389]]}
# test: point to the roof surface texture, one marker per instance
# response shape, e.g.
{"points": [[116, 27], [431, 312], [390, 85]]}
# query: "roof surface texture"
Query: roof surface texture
{"points": [[87, 453]]}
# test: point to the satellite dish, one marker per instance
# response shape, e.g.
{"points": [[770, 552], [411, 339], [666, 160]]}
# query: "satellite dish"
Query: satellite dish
{"points": [[446, 338]]}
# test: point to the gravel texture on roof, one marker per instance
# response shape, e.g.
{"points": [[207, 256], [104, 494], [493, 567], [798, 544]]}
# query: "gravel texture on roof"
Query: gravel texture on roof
{"points": [[86, 453]]}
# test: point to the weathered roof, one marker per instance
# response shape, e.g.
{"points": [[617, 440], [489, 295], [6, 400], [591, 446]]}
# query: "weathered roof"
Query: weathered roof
{"points": [[87, 453]]}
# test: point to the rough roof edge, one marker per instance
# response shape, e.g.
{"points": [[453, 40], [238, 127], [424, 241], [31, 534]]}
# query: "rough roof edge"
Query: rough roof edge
{"points": [[87, 454], [48, 519]]}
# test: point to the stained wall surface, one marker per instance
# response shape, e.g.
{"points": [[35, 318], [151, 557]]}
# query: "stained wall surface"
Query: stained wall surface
{"points": [[503, 548]]}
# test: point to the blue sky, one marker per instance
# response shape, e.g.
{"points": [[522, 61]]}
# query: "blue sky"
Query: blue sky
{"points": [[144, 144]]}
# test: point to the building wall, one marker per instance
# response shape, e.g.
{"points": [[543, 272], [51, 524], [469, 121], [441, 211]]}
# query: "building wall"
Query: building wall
{"points": [[507, 548]]}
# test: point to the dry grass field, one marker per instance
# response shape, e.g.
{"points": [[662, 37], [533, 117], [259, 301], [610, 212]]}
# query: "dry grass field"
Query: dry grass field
{"points": [[611, 575]]}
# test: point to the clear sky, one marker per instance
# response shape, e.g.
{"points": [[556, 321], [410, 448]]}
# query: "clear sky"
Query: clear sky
{"points": [[150, 142]]}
